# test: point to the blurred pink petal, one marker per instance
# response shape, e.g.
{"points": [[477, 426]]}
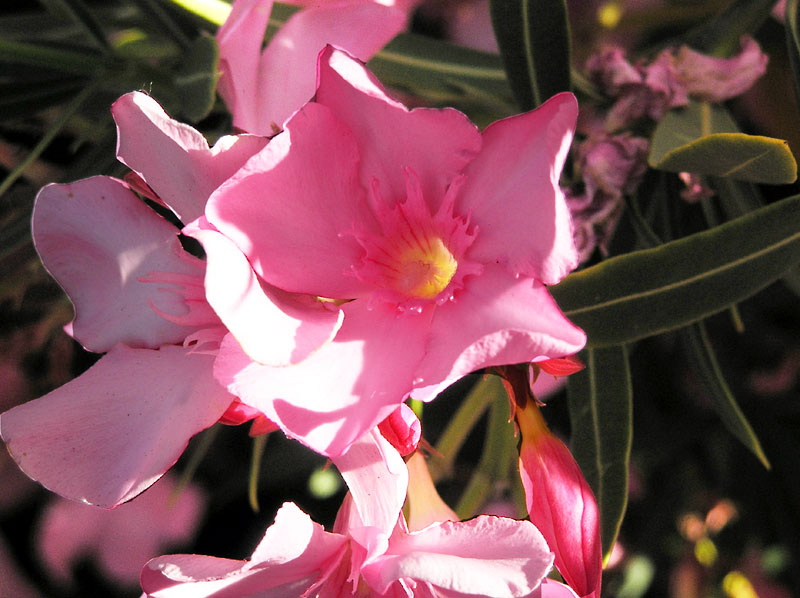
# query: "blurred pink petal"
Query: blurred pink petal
{"points": [[122, 539], [113, 431], [174, 159], [714, 79], [425, 506], [262, 89]]}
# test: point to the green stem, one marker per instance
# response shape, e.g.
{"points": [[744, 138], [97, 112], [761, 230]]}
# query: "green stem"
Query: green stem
{"points": [[200, 450], [259, 444], [461, 424]]}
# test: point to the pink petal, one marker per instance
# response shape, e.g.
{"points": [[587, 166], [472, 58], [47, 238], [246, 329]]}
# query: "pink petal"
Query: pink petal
{"points": [[495, 320], [487, 556], [714, 79], [272, 326], [554, 589], [173, 158], [291, 208], [98, 240], [425, 506], [240, 39], [513, 195], [329, 400], [113, 431], [436, 144], [377, 478], [286, 72], [402, 429], [291, 556]]}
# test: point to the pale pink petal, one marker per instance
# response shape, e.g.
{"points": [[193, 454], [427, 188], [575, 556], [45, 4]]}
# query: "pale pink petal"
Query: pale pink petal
{"points": [[292, 555], [113, 431], [496, 319], [98, 240], [377, 478], [287, 73], [341, 391], [554, 589], [487, 556], [272, 326], [513, 195], [291, 209], [240, 39], [173, 158], [124, 538], [436, 144]]}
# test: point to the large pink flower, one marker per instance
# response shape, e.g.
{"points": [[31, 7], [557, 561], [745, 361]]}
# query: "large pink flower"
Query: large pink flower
{"points": [[262, 88], [139, 298], [370, 553], [435, 241]]}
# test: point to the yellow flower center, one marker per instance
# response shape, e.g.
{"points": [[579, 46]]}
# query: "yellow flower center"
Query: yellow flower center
{"points": [[425, 269]]}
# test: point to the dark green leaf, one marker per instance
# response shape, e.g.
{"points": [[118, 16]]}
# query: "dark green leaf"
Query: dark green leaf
{"points": [[720, 36], [703, 139], [600, 401], [534, 40], [793, 41], [705, 361], [447, 73], [82, 16], [197, 79], [647, 292], [56, 59]]}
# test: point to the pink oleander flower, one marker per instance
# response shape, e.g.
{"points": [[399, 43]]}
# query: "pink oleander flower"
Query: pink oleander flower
{"points": [[560, 503], [263, 88], [433, 241], [371, 553], [122, 539], [139, 298], [718, 79]]}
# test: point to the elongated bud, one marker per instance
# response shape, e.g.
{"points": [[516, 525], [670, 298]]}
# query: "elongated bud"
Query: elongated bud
{"points": [[425, 506], [560, 503]]}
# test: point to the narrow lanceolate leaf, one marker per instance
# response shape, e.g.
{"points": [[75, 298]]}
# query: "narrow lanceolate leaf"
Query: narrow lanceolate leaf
{"points": [[601, 415], [632, 296], [705, 362], [703, 139], [197, 80], [533, 36], [793, 41]]}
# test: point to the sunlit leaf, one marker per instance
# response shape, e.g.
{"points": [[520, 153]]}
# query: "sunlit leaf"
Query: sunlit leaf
{"points": [[705, 362], [534, 40], [632, 296], [600, 401], [703, 139]]}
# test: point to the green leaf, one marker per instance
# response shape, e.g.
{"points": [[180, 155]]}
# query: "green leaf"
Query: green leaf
{"points": [[642, 293], [703, 358], [77, 11], [720, 36], [534, 40], [196, 81], [793, 41], [600, 401], [445, 72], [703, 139]]}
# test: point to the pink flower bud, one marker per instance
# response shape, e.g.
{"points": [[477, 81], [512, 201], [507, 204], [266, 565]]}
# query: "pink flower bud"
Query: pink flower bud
{"points": [[401, 429], [560, 503]]}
